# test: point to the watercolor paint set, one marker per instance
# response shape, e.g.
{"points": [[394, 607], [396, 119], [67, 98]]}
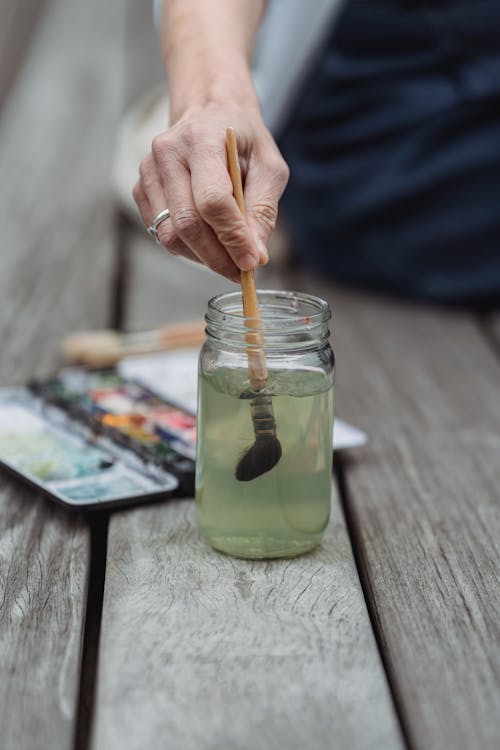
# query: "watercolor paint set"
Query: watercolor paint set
{"points": [[91, 439]]}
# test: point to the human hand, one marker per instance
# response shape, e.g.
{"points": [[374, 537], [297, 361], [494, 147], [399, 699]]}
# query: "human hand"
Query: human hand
{"points": [[187, 172]]}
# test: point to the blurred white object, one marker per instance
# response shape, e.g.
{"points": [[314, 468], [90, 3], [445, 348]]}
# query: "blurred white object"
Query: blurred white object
{"points": [[138, 127], [174, 377], [289, 41]]}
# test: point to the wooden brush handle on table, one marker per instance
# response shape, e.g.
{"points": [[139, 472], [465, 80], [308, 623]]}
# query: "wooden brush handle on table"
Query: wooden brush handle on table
{"points": [[180, 335], [105, 348]]}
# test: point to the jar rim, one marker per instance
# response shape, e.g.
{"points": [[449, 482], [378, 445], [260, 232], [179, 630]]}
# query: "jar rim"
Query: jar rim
{"points": [[287, 317], [323, 312]]}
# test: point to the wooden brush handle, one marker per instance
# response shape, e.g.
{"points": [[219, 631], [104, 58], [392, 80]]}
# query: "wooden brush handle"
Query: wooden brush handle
{"points": [[256, 356], [179, 335]]}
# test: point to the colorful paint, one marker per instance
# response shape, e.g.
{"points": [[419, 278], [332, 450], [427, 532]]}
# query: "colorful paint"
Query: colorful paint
{"points": [[88, 446], [48, 455], [124, 406], [113, 485]]}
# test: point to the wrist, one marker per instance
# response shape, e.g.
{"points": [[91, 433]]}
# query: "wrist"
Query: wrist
{"points": [[199, 86]]}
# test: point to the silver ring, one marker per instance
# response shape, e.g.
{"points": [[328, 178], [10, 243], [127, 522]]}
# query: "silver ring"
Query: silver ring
{"points": [[153, 227]]}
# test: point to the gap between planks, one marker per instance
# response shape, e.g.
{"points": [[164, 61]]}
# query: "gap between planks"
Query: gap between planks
{"points": [[99, 523], [354, 535], [489, 325], [424, 384], [211, 651], [47, 290]]}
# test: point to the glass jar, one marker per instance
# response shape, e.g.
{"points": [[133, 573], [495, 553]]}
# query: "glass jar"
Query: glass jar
{"points": [[278, 504]]}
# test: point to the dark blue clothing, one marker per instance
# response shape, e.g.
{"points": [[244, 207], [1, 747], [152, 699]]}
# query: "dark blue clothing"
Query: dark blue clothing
{"points": [[394, 149]]}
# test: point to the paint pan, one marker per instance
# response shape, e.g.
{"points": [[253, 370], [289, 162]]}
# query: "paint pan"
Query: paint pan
{"points": [[46, 447]]}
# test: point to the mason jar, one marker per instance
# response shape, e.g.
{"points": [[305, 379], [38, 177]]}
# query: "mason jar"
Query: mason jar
{"points": [[264, 449]]}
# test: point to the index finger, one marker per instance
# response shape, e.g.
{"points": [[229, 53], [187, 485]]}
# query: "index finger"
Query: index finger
{"points": [[214, 200]]}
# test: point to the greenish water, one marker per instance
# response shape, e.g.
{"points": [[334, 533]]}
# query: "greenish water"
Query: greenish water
{"points": [[285, 511]]}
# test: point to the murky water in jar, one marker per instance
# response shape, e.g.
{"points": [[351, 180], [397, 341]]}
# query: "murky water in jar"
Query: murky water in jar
{"points": [[283, 512]]}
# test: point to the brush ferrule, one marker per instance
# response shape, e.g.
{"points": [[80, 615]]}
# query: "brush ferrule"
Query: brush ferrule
{"points": [[264, 424]]}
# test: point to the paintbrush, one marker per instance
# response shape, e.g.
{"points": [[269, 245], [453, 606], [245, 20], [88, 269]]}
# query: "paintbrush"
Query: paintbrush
{"points": [[265, 453], [106, 348]]}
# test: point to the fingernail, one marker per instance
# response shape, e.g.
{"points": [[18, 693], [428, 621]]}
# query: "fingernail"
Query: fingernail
{"points": [[247, 262], [264, 255]]}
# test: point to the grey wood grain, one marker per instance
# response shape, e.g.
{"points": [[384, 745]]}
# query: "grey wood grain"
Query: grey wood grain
{"points": [[423, 498], [18, 18], [55, 262], [56, 142], [492, 325], [44, 559], [143, 63], [199, 650], [202, 651], [164, 289]]}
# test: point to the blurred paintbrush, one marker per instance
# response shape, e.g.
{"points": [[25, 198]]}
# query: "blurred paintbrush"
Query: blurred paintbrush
{"points": [[106, 348]]}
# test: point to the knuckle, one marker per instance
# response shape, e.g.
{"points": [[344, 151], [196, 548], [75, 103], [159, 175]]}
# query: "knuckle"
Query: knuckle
{"points": [[144, 169], [283, 171], [187, 224], [189, 133], [148, 174], [163, 147], [158, 145], [136, 192], [196, 133], [213, 204], [266, 213], [166, 236], [279, 172], [235, 237]]}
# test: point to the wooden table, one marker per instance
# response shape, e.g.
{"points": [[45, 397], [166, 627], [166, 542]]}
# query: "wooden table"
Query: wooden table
{"points": [[124, 630]]}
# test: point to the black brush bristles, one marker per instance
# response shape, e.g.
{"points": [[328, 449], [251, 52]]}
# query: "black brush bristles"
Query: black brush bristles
{"points": [[265, 453]]}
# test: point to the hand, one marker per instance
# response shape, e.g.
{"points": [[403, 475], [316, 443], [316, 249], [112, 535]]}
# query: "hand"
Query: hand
{"points": [[186, 171]]}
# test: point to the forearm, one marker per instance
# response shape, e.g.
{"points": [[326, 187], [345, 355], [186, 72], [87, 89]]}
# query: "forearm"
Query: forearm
{"points": [[207, 46]]}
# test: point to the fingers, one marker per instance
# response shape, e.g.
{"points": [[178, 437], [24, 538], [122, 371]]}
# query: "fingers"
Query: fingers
{"points": [[188, 225], [184, 233], [187, 171], [215, 203], [174, 246], [145, 204]]}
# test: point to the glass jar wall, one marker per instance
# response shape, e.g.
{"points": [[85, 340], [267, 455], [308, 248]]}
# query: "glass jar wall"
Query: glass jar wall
{"points": [[253, 502]]}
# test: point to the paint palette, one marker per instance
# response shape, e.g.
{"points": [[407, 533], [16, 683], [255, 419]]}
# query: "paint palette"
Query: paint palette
{"points": [[91, 439]]}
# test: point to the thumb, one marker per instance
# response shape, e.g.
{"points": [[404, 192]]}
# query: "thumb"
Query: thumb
{"points": [[263, 189], [261, 219]]}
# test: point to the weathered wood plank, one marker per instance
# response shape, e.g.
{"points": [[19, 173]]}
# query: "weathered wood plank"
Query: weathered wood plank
{"points": [[202, 651], [18, 18], [215, 652], [44, 559], [164, 289], [143, 63], [56, 137], [56, 148], [493, 328], [199, 650], [423, 501]]}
